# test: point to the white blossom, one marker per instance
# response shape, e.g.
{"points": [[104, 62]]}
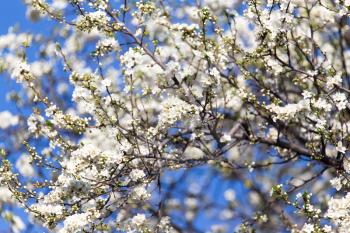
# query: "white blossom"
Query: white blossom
{"points": [[7, 119]]}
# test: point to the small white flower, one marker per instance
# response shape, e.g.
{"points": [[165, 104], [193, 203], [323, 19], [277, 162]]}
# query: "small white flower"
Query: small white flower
{"points": [[331, 81], [340, 100], [106, 82], [75, 222], [321, 124], [327, 229], [225, 138], [307, 94], [137, 174], [340, 148], [138, 220], [346, 165], [336, 183], [230, 195], [299, 195], [7, 119], [307, 228], [24, 167], [20, 72]]}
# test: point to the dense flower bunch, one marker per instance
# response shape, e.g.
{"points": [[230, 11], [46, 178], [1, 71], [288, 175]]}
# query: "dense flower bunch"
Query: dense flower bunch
{"points": [[178, 116]]}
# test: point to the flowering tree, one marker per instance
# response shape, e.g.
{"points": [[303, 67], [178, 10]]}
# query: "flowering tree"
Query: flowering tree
{"points": [[178, 116]]}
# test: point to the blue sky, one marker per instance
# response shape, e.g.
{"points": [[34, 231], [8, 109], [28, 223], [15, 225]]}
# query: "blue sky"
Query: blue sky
{"points": [[12, 12]]}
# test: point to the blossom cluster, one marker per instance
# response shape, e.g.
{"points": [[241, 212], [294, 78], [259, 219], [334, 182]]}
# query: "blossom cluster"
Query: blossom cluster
{"points": [[135, 116]]}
